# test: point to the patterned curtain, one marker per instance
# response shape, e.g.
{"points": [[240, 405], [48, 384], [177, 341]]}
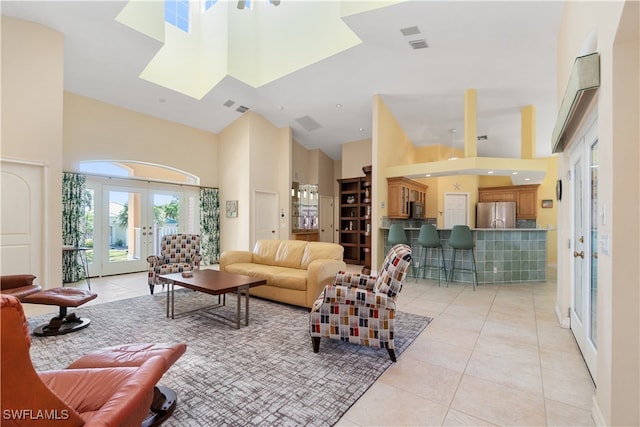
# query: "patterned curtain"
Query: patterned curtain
{"points": [[73, 224], [210, 225]]}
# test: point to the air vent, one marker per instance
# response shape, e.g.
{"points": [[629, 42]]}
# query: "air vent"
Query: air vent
{"points": [[229, 103], [410, 31], [482, 138], [419, 44], [308, 123], [242, 109]]}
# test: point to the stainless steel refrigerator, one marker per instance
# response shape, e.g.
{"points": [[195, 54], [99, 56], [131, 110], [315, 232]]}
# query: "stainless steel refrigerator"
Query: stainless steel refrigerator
{"points": [[496, 215]]}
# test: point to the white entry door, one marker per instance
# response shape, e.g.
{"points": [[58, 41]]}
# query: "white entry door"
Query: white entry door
{"points": [[21, 219], [455, 209], [265, 216], [126, 223], [584, 277]]}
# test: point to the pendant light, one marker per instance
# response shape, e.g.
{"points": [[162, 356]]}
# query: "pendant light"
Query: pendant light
{"points": [[453, 135]]}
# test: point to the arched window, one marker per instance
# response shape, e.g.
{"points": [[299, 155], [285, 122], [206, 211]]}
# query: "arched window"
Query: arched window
{"points": [[134, 169]]}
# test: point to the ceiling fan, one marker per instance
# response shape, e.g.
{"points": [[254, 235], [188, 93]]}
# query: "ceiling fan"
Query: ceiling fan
{"points": [[247, 3]]}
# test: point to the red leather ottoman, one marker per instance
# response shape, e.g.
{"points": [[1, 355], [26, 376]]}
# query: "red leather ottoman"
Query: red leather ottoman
{"points": [[63, 298], [134, 355]]}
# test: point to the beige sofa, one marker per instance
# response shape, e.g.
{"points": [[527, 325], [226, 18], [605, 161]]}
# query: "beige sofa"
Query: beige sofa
{"points": [[296, 271]]}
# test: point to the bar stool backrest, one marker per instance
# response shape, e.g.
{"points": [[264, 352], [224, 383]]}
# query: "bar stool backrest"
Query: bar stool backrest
{"points": [[461, 237], [428, 236]]}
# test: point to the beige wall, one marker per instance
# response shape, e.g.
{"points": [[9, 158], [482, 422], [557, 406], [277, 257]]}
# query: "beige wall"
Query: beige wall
{"points": [[254, 156], [356, 155], [95, 130], [325, 173], [234, 179], [270, 166], [32, 108], [313, 167], [391, 147], [300, 163], [618, 323]]}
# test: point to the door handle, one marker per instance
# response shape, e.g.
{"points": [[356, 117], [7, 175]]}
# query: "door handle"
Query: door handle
{"points": [[578, 254]]}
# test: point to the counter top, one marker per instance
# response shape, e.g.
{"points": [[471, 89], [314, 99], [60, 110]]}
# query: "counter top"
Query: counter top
{"points": [[304, 231], [477, 229]]}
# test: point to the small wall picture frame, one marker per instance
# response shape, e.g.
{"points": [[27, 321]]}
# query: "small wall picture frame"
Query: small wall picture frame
{"points": [[547, 203], [232, 208]]}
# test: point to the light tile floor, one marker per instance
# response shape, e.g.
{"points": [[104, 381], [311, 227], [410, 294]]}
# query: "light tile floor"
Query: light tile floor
{"points": [[495, 356]]}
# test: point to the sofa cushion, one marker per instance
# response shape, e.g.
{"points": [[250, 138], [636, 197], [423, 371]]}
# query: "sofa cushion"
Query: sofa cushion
{"points": [[289, 253], [260, 271], [320, 250], [264, 252], [295, 279]]}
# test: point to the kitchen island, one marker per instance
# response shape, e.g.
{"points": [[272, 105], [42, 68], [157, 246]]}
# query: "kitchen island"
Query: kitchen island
{"points": [[503, 255]]}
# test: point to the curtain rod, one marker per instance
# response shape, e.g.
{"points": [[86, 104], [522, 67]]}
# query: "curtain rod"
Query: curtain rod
{"points": [[147, 180]]}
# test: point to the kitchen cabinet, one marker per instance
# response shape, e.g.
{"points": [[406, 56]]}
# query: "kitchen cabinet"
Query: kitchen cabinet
{"points": [[497, 194], [402, 191], [527, 203], [525, 196]]}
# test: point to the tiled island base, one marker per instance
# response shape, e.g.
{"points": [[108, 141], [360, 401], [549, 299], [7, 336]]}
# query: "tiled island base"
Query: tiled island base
{"points": [[502, 256]]}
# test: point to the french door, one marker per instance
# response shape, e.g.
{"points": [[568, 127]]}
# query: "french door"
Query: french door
{"points": [[126, 223], [584, 240]]}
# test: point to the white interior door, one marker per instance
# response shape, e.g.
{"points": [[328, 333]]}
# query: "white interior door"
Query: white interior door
{"points": [[21, 219], [584, 278], [455, 209], [326, 219], [265, 216]]}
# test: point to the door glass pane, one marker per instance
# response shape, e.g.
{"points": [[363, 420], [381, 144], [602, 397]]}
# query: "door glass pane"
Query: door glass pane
{"points": [[124, 226], [593, 299], [578, 236], [166, 217]]}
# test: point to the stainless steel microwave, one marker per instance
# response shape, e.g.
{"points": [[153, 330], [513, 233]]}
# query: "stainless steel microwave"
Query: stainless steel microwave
{"points": [[416, 210]]}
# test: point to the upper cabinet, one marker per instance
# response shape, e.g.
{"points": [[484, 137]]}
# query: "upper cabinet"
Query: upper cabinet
{"points": [[525, 196], [402, 191]]}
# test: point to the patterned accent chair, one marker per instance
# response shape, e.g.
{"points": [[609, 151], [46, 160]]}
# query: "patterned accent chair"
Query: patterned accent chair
{"points": [[361, 309], [179, 252]]}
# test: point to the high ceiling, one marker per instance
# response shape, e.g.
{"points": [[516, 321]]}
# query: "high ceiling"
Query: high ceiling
{"points": [[504, 50]]}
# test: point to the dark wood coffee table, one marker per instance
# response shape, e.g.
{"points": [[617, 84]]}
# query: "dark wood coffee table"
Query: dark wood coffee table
{"points": [[213, 282]]}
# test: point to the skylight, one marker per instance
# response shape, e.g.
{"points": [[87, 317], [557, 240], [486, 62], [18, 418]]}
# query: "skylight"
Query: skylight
{"points": [[176, 13], [208, 3]]}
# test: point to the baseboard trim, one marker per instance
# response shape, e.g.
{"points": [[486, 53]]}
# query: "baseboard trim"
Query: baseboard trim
{"points": [[565, 322], [596, 413]]}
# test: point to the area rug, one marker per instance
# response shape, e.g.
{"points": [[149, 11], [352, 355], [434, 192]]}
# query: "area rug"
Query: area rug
{"points": [[265, 374]]}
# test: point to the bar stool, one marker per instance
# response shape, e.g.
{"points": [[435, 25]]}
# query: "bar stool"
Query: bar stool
{"points": [[397, 235], [462, 239], [429, 239]]}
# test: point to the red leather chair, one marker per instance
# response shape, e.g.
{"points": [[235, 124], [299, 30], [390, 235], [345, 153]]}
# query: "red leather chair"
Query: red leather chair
{"points": [[112, 387]]}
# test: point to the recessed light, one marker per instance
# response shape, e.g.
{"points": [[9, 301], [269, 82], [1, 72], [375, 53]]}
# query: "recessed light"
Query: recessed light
{"points": [[361, 129], [338, 105]]}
